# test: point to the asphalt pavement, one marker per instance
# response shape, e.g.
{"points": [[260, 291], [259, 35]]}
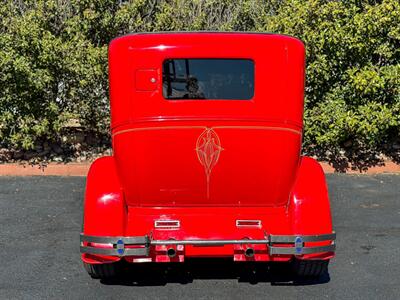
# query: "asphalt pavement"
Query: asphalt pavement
{"points": [[40, 221]]}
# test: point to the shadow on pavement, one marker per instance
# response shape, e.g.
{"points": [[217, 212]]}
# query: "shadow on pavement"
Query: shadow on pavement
{"points": [[210, 269]]}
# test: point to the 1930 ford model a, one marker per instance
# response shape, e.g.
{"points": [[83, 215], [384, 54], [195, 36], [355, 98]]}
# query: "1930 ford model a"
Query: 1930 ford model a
{"points": [[206, 134]]}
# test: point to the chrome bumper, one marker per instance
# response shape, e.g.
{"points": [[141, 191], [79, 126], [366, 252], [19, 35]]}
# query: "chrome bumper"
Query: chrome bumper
{"points": [[140, 246], [296, 244]]}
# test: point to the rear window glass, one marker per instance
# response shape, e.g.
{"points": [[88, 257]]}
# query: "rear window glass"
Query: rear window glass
{"points": [[218, 79]]}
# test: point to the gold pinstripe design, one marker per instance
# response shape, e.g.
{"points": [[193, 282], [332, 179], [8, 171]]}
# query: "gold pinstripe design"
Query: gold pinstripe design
{"points": [[205, 127]]}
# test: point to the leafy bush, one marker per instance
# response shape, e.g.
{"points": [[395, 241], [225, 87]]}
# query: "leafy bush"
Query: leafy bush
{"points": [[53, 62], [353, 69], [50, 73]]}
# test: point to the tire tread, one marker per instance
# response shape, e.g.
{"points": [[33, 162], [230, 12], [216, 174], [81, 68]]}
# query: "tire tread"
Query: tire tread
{"points": [[102, 271], [310, 268]]}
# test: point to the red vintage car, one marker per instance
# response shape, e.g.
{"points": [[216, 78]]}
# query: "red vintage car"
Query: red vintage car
{"points": [[206, 135]]}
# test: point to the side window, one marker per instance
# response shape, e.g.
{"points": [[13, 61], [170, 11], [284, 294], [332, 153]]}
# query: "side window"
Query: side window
{"points": [[214, 79]]}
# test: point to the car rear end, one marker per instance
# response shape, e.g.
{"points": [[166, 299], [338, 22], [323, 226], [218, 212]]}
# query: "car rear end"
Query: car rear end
{"points": [[207, 131]]}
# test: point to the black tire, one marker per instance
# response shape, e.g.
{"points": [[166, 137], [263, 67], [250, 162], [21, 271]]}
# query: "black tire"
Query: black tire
{"points": [[102, 271], [310, 268]]}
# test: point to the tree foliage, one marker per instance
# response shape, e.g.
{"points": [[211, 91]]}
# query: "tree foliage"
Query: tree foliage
{"points": [[53, 61]]}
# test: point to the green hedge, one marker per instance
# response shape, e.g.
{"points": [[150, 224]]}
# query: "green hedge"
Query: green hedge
{"points": [[53, 62]]}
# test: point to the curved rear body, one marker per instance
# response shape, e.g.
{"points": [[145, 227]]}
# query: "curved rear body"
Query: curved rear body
{"points": [[206, 133], [214, 151]]}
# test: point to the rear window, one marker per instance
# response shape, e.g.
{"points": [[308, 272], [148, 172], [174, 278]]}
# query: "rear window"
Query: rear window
{"points": [[218, 79]]}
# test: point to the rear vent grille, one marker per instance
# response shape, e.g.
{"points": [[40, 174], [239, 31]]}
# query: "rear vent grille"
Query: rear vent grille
{"points": [[248, 223], [167, 224]]}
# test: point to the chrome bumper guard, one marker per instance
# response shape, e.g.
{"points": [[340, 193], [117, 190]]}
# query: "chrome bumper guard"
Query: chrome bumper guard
{"points": [[277, 244], [120, 245], [296, 243]]}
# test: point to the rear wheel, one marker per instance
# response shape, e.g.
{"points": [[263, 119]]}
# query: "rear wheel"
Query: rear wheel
{"points": [[310, 268], [103, 271]]}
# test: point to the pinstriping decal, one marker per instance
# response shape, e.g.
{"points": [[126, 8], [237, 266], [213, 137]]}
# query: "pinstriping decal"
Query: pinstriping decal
{"points": [[204, 127]]}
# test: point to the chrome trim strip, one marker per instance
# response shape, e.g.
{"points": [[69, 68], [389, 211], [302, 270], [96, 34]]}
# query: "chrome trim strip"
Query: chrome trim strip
{"points": [[305, 238], [137, 240], [114, 252], [305, 250]]}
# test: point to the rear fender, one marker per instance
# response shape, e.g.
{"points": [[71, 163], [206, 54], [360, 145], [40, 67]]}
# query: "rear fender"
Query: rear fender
{"points": [[309, 206], [105, 212]]}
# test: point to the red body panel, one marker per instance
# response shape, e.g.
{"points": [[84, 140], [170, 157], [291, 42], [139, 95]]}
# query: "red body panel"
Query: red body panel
{"points": [[309, 206], [105, 208], [206, 163], [159, 165], [155, 139], [279, 77]]}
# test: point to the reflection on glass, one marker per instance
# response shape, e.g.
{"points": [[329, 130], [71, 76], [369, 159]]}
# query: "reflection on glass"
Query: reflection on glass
{"points": [[218, 79]]}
